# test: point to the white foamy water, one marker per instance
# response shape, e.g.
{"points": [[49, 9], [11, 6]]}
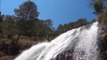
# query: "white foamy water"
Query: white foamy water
{"points": [[85, 49]]}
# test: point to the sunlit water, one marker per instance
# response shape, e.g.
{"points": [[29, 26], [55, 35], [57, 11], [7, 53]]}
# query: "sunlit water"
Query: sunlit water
{"points": [[85, 48]]}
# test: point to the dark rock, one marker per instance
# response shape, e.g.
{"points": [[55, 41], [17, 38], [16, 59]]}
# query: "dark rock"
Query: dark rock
{"points": [[66, 55], [102, 37]]}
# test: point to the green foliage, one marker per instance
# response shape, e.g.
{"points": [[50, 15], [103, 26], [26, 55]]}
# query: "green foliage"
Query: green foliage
{"points": [[25, 27], [28, 24], [99, 5], [63, 28], [80, 22], [102, 18], [26, 16], [1, 20], [27, 10], [8, 26]]}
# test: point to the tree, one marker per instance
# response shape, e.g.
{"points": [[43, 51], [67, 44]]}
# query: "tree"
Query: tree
{"points": [[27, 10], [26, 15], [1, 20], [0, 17], [28, 24], [65, 27], [42, 28], [25, 27], [80, 22], [8, 26], [99, 5]]}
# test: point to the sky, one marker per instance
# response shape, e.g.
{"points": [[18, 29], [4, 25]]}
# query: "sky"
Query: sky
{"points": [[59, 11]]}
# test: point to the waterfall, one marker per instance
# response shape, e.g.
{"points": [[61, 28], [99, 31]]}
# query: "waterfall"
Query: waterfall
{"points": [[82, 40], [86, 49]]}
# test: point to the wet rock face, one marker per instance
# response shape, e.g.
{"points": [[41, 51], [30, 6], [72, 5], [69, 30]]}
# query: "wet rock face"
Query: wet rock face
{"points": [[102, 32], [66, 55], [102, 37]]}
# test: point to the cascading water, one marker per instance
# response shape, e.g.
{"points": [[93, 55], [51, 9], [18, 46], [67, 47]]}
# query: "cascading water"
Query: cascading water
{"points": [[82, 41], [86, 49]]}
